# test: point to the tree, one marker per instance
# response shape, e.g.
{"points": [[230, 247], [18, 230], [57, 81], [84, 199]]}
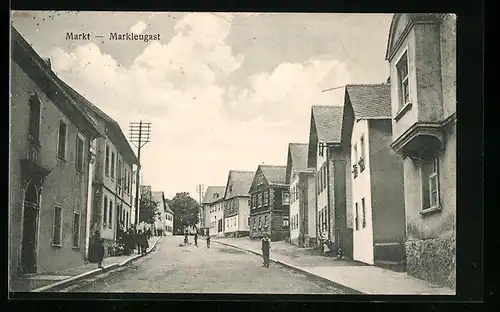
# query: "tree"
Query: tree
{"points": [[185, 210], [148, 209]]}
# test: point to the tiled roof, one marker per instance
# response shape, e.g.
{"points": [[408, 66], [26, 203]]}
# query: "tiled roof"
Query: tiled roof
{"points": [[158, 196], [167, 208], [241, 181], [274, 174], [298, 153], [213, 194], [370, 101], [328, 122]]}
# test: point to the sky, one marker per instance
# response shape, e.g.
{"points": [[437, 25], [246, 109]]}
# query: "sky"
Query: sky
{"points": [[223, 91]]}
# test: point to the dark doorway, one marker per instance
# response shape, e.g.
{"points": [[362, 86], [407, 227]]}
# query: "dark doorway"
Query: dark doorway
{"points": [[30, 230]]}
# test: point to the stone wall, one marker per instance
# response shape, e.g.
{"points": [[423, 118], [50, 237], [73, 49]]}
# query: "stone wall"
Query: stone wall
{"points": [[432, 260]]}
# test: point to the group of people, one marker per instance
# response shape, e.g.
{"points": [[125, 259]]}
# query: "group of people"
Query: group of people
{"points": [[128, 241], [186, 239]]}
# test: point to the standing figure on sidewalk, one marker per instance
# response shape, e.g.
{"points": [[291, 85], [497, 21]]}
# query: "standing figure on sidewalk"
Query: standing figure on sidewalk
{"points": [[96, 250], [186, 241], [196, 239], [266, 245], [208, 241]]}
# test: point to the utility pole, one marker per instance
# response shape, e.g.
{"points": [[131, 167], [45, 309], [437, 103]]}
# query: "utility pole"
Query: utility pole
{"points": [[199, 189], [140, 135]]}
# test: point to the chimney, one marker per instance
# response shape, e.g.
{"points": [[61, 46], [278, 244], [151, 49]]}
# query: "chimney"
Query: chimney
{"points": [[47, 61]]}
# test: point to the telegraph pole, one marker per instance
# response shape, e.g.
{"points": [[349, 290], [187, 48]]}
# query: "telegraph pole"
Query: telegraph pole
{"points": [[199, 189], [140, 135]]}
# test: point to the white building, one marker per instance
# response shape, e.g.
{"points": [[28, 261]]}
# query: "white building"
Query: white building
{"points": [[214, 198], [237, 203], [169, 220], [159, 198]]}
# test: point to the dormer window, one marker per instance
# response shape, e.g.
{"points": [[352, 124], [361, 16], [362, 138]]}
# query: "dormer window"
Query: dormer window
{"points": [[403, 80], [321, 149], [216, 196]]}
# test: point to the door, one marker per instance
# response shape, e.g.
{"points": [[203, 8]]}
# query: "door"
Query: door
{"points": [[30, 231]]}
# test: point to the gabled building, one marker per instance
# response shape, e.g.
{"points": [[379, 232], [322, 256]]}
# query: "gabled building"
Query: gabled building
{"points": [[329, 156], [49, 160], [160, 220], [111, 198], [270, 202], [237, 203], [377, 177], [421, 51], [214, 201], [302, 188]]}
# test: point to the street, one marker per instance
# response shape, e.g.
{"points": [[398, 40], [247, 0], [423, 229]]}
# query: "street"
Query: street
{"points": [[189, 269]]}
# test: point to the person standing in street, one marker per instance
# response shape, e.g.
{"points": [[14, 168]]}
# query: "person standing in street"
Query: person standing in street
{"points": [[266, 245], [196, 239], [96, 252], [208, 241]]}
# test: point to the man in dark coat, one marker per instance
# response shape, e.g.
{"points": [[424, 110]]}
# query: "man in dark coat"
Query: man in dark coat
{"points": [[196, 239], [266, 245]]}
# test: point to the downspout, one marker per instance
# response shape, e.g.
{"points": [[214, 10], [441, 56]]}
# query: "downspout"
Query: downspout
{"points": [[328, 191]]}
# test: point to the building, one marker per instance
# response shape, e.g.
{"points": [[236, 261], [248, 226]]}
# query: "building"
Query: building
{"points": [[111, 197], [214, 200], [377, 177], [160, 220], [302, 187], [329, 156], [237, 203], [169, 220], [270, 203], [49, 160], [421, 52]]}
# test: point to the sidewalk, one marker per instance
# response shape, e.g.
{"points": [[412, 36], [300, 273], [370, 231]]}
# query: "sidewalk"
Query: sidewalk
{"points": [[44, 281], [358, 277]]}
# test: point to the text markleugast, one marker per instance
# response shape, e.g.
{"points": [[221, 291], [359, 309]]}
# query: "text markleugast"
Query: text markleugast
{"points": [[115, 36]]}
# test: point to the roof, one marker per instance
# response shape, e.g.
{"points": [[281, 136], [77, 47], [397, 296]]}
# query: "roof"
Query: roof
{"points": [[23, 53], [370, 101], [275, 175], [112, 127], [328, 123], [241, 181], [167, 209], [213, 194], [298, 154]]}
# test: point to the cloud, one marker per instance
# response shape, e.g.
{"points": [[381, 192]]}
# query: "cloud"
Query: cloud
{"points": [[138, 28], [201, 129]]}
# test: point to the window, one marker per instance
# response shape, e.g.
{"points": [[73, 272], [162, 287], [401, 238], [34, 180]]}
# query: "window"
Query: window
{"points": [[260, 200], [129, 182], [61, 146], [403, 77], [110, 217], [57, 231], [35, 118], [79, 152], [106, 164], [119, 175], [265, 221], [76, 229], [266, 198], [363, 207], [249, 204], [362, 152], [260, 222], [356, 218], [285, 221], [430, 183], [285, 197], [105, 212], [112, 165]]}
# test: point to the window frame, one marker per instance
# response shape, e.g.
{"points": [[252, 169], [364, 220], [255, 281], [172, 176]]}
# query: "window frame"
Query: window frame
{"points": [[356, 216], [105, 212], [61, 223], [76, 213], [112, 173], [403, 80], [430, 170], [363, 211], [285, 194], [107, 155], [80, 137], [35, 98], [65, 152], [265, 198]]}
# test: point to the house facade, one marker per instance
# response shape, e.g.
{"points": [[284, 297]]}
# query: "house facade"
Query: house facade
{"points": [[169, 220], [111, 193], [49, 160], [160, 220], [237, 203], [421, 52], [301, 183], [329, 158], [377, 177], [270, 203], [214, 200]]}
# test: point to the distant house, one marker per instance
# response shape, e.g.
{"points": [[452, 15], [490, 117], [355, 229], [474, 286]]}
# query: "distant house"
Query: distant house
{"points": [[270, 201], [377, 177], [329, 156], [302, 188], [160, 221], [237, 203], [169, 220], [214, 200], [49, 164], [421, 51]]}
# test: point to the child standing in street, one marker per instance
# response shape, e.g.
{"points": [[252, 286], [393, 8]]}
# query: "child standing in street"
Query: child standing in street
{"points": [[196, 239], [266, 245], [208, 242]]}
